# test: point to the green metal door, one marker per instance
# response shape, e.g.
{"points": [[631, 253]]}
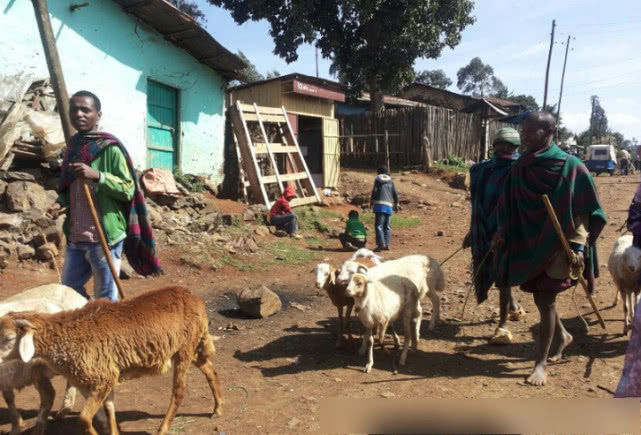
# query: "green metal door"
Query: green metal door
{"points": [[162, 120]]}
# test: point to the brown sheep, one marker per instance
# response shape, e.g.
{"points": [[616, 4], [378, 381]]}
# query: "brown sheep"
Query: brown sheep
{"points": [[326, 279], [103, 343]]}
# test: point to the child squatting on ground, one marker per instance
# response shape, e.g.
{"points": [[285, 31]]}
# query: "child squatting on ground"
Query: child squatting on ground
{"points": [[355, 236]]}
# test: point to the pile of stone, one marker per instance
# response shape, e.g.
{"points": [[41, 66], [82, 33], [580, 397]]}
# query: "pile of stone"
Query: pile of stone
{"points": [[26, 231]]}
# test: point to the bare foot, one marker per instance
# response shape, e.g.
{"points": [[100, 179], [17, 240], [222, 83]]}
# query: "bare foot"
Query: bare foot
{"points": [[538, 376], [567, 340]]}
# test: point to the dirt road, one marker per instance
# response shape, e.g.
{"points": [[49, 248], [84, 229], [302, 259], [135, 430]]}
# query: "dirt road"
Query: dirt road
{"points": [[276, 371]]}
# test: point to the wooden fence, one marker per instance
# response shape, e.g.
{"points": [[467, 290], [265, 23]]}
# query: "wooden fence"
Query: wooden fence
{"points": [[449, 133]]}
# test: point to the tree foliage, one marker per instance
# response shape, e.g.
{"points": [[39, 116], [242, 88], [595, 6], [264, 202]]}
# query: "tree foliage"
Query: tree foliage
{"points": [[372, 43], [190, 8], [478, 79], [272, 74], [435, 77], [527, 101], [598, 119], [248, 74]]}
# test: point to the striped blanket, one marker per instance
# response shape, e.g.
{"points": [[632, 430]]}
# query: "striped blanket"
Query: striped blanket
{"points": [[530, 238], [486, 183], [139, 245]]}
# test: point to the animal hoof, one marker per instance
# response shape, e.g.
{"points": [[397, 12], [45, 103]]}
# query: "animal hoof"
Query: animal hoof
{"points": [[367, 368]]}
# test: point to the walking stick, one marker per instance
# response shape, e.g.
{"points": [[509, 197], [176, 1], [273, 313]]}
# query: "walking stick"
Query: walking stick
{"points": [[103, 240], [455, 252], [570, 254]]}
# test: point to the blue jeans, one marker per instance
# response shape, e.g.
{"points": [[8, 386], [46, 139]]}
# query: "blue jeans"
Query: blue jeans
{"points": [[382, 229], [287, 222], [82, 260]]}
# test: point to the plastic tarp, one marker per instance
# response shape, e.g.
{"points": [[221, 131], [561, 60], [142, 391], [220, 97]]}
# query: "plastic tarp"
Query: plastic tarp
{"points": [[48, 127]]}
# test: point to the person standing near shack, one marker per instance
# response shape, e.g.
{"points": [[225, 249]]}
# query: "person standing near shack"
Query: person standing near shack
{"points": [[530, 253], [100, 160], [384, 201], [486, 182]]}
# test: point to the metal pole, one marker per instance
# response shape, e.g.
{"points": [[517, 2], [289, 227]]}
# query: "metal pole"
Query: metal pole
{"points": [[547, 70], [558, 109]]}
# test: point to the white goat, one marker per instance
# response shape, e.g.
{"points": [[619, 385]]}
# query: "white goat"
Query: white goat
{"points": [[423, 271], [50, 298], [624, 265], [379, 303]]}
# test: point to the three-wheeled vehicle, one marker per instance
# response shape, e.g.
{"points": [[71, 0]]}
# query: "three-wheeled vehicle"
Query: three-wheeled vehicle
{"points": [[601, 158]]}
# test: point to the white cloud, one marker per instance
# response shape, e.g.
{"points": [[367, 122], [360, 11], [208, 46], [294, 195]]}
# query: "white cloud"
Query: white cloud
{"points": [[576, 121], [623, 120], [532, 50]]}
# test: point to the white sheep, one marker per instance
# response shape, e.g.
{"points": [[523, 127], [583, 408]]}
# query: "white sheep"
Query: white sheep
{"points": [[425, 272], [624, 265], [50, 298], [326, 280], [367, 253], [380, 303]]}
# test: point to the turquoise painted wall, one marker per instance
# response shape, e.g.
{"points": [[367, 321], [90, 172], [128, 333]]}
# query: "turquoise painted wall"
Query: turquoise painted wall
{"points": [[107, 51]]}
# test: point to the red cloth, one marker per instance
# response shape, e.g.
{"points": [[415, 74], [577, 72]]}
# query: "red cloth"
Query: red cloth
{"points": [[280, 207]]}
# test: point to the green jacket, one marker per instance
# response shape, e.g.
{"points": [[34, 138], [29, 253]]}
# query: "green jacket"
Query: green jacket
{"points": [[355, 229], [112, 193]]}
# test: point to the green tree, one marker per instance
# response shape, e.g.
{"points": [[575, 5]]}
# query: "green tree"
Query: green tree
{"points": [[598, 119], [527, 101], [435, 77], [373, 44], [247, 75], [190, 8], [477, 79], [272, 74]]}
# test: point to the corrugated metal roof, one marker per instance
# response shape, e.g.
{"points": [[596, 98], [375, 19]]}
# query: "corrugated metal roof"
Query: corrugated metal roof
{"points": [[390, 100], [318, 81], [183, 31]]}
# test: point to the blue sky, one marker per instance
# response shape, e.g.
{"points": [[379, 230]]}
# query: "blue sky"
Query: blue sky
{"points": [[513, 37]]}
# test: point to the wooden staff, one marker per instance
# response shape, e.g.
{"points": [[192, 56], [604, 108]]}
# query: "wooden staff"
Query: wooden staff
{"points": [[570, 254], [62, 99], [103, 239], [452, 255]]}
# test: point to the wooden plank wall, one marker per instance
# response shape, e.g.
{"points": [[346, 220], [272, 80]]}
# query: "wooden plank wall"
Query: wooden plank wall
{"points": [[450, 133]]}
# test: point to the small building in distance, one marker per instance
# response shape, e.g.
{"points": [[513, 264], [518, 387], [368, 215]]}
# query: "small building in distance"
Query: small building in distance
{"points": [[310, 105]]}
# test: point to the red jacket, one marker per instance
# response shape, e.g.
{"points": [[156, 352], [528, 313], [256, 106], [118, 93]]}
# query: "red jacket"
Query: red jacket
{"points": [[280, 207]]}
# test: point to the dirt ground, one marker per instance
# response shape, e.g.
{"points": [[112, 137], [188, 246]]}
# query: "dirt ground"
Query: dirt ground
{"points": [[276, 371]]}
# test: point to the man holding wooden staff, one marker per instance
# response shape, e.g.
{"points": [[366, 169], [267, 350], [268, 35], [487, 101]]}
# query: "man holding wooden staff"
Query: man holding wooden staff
{"points": [[529, 251], [101, 161]]}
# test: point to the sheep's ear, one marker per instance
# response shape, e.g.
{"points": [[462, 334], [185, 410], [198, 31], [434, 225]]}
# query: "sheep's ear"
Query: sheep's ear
{"points": [[26, 348], [332, 277]]}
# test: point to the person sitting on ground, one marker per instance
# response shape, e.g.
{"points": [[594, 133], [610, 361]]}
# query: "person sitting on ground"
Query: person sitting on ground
{"points": [[384, 201], [282, 216], [529, 252], [355, 236], [486, 182]]}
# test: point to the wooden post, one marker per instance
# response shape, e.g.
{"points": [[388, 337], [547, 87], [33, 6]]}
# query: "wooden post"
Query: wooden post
{"points": [[53, 64], [387, 151], [62, 99], [427, 153]]}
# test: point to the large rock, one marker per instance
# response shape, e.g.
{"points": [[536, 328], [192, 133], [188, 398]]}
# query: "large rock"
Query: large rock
{"points": [[23, 196], [461, 181], [126, 271], [10, 221], [259, 302], [16, 176], [51, 234]]}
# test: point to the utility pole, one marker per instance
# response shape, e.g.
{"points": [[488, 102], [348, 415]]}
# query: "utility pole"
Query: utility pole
{"points": [[316, 61], [547, 70], [558, 109], [53, 63]]}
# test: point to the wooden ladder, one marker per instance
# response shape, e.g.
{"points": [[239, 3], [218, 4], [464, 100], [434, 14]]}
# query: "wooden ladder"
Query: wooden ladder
{"points": [[246, 118]]}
